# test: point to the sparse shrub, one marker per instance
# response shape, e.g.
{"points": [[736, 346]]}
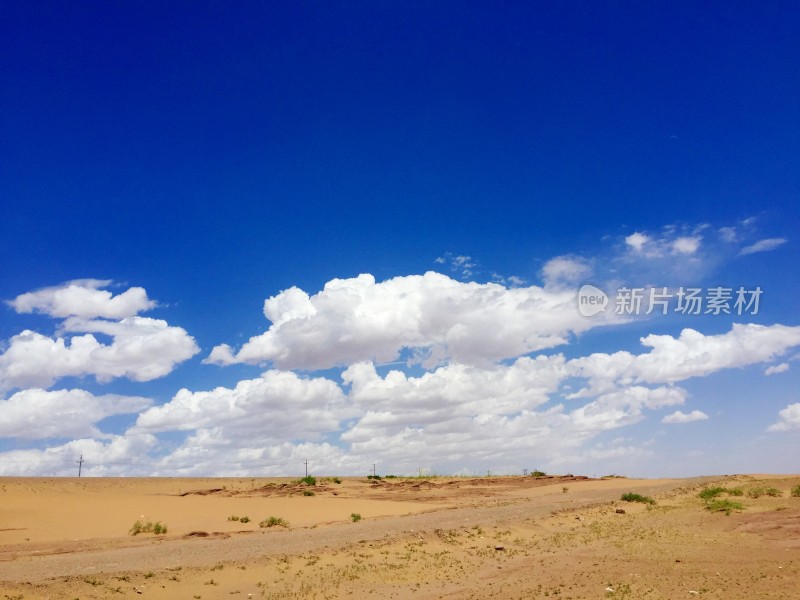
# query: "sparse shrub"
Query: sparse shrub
{"points": [[390, 476], [796, 491], [764, 491], [538, 473], [244, 519], [273, 522], [337, 480], [309, 480], [157, 528], [710, 493], [377, 477], [564, 490], [631, 497], [137, 528], [726, 506], [308, 493], [355, 517], [715, 504]]}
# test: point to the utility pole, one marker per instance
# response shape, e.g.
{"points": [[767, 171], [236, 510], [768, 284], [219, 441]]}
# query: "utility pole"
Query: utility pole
{"points": [[525, 472], [80, 464], [306, 463], [373, 469]]}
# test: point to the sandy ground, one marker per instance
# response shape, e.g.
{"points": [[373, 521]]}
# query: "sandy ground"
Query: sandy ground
{"points": [[505, 537]]}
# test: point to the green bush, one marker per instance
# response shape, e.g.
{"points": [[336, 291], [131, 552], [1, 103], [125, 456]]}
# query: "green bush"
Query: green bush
{"points": [[308, 493], [355, 517], [764, 491], [711, 492], [308, 480], [273, 522], [631, 497], [796, 491], [337, 480], [157, 528], [726, 506], [233, 518], [138, 527], [244, 519], [377, 477], [538, 473]]}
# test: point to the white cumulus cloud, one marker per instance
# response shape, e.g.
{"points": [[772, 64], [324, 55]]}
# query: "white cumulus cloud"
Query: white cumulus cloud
{"points": [[637, 241], [141, 349], [686, 245], [681, 417], [211, 451], [397, 400], [114, 456], [358, 319], [279, 405], [692, 354], [788, 419], [776, 369], [38, 414], [464, 415], [566, 270], [83, 298]]}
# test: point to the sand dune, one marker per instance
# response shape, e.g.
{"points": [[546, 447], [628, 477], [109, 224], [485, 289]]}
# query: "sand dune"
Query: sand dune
{"points": [[439, 537]]}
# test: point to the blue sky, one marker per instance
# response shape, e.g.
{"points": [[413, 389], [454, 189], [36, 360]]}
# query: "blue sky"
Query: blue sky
{"points": [[418, 191]]}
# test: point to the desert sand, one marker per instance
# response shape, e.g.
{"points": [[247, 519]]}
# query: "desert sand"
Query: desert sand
{"points": [[503, 537]]}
